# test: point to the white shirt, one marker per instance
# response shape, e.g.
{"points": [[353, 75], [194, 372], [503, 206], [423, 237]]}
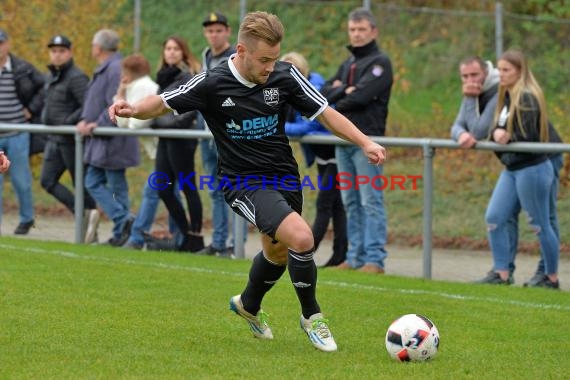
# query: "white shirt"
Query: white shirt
{"points": [[7, 66], [136, 90]]}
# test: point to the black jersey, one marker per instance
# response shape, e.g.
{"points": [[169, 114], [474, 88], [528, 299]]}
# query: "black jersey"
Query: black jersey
{"points": [[247, 119]]}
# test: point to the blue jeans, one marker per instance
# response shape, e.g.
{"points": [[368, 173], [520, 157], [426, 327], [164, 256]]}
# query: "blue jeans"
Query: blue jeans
{"points": [[557, 163], [110, 190], [220, 209], [366, 217], [529, 188], [146, 214], [16, 148]]}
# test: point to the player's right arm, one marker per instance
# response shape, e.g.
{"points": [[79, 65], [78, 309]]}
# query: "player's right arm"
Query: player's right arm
{"points": [[147, 108]]}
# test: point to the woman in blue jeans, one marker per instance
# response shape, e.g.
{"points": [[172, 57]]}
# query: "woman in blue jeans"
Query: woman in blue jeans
{"points": [[527, 180]]}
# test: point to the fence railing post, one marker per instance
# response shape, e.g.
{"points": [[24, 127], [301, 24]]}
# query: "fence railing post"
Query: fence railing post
{"points": [[498, 29], [429, 152], [79, 185], [239, 236]]}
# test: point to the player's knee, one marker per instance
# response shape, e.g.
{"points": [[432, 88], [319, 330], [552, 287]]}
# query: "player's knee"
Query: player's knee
{"points": [[303, 241]]}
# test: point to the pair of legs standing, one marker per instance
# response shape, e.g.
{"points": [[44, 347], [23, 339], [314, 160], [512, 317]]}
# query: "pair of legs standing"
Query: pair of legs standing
{"points": [[59, 157], [531, 189], [17, 147], [365, 213], [175, 159], [220, 209], [145, 218], [557, 163], [330, 207], [109, 188]]}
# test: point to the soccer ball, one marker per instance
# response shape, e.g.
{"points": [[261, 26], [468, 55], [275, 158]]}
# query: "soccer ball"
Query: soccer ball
{"points": [[412, 337]]}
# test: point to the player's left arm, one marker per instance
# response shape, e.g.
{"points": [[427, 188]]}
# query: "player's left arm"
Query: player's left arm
{"points": [[346, 130]]}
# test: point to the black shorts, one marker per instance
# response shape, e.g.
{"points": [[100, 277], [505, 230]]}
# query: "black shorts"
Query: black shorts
{"points": [[264, 208]]}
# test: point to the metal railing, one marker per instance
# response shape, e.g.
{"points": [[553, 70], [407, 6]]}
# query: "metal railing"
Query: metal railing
{"points": [[428, 146]]}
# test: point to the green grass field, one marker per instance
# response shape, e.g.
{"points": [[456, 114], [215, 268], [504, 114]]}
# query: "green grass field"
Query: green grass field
{"points": [[77, 312]]}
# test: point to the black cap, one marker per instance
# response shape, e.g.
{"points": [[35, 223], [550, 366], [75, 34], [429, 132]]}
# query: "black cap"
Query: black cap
{"points": [[59, 40], [215, 18], [3, 35]]}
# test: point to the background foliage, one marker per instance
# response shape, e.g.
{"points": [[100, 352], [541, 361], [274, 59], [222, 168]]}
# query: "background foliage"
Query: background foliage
{"points": [[31, 24]]}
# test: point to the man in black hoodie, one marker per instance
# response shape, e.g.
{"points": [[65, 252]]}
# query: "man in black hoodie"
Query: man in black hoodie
{"points": [[360, 90], [65, 90]]}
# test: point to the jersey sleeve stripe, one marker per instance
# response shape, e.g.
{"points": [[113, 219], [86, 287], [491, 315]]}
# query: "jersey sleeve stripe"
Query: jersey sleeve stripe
{"points": [[184, 88], [307, 87]]}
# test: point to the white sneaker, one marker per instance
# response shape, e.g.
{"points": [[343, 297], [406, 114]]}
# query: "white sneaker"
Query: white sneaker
{"points": [[257, 323], [93, 217], [317, 329]]}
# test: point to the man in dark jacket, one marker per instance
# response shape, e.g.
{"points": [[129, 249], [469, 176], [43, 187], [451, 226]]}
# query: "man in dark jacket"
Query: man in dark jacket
{"points": [[360, 91], [107, 158], [21, 101], [217, 32], [65, 91]]}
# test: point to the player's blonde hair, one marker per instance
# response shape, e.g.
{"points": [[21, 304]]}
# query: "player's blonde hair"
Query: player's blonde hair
{"points": [[260, 26]]}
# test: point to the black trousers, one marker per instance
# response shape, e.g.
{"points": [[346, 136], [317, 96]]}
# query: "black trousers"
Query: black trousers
{"points": [[329, 206], [59, 157], [175, 158]]}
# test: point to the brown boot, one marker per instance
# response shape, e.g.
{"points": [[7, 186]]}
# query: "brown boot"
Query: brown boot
{"points": [[343, 266], [371, 268]]}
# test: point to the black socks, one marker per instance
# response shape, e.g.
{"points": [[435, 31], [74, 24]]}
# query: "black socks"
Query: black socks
{"points": [[262, 276], [303, 273]]}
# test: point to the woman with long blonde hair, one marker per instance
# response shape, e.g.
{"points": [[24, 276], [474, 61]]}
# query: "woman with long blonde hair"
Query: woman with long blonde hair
{"points": [[528, 178]]}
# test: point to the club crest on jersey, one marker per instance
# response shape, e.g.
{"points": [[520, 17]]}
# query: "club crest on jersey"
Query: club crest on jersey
{"points": [[271, 96]]}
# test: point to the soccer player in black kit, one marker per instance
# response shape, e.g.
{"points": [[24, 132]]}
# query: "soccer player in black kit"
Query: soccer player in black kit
{"points": [[244, 102]]}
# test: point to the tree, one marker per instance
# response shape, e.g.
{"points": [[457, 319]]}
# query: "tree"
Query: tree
{"points": [[31, 24]]}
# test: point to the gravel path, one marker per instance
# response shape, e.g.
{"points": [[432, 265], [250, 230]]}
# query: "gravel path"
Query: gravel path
{"points": [[447, 264]]}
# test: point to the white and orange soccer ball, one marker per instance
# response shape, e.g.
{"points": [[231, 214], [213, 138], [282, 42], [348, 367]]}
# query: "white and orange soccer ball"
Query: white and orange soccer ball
{"points": [[412, 337]]}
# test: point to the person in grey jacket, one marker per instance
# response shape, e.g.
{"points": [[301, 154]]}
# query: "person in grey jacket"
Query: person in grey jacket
{"points": [[65, 91], [107, 157], [480, 81]]}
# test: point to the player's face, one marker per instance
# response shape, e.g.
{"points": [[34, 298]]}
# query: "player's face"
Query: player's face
{"points": [[259, 61], [59, 55], [172, 53], [361, 33], [472, 73], [508, 73], [217, 35]]}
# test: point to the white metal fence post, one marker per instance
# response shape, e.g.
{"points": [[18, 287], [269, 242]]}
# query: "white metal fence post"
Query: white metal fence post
{"points": [[498, 29]]}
